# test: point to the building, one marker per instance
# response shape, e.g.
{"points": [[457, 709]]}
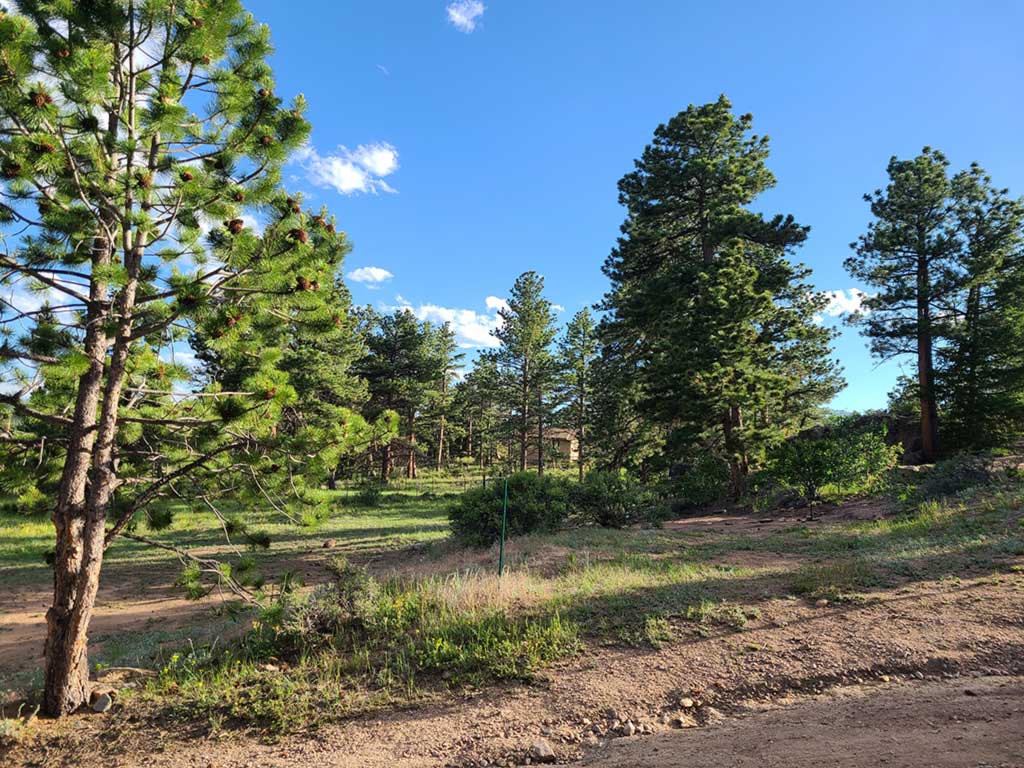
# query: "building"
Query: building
{"points": [[560, 447]]}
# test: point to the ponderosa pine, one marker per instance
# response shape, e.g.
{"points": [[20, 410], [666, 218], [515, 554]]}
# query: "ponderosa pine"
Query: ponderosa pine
{"points": [[139, 141], [719, 324]]}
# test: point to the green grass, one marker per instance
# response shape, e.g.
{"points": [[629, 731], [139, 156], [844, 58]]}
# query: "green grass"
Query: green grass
{"points": [[458, 624]]}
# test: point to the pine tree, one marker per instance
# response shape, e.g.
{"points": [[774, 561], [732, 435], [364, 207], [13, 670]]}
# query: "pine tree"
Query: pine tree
{"points": [[577, 355], [400, 371], [981, 379], [526, 362], [719, 323], [908, 257], [130, 129], [445, 358]]}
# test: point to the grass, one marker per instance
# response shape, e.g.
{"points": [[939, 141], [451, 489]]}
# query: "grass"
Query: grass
{"points": [[453, 622]]}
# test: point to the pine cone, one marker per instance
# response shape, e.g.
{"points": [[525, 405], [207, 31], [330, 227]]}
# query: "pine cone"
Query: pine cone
{"points": [[299, 236], [40, 99], [235, 226]]}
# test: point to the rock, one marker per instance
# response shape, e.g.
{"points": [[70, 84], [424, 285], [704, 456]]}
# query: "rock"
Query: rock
{"points": [[542, 752], [628, 729], [330, 544], [885, 678], [821, 603], [591, 741], [687, 703], [919, 675], [102, 702], [969, 692], [682, 721]]}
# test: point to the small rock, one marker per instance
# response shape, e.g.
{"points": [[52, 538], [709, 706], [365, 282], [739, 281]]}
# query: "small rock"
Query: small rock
{"points": [[102, 703], [628, 729], [822, 603], [969, 692], [330, 544], [885, 678], [919, 675], [542, 752], [687, 703]]}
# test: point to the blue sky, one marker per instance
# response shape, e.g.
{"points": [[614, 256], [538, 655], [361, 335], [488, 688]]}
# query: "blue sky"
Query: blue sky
{"points": [[461, 144]]}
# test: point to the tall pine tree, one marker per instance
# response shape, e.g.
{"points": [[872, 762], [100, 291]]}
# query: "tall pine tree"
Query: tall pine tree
{"points": [[908, 257], [703, 296], [577, 356], [526, 362]]}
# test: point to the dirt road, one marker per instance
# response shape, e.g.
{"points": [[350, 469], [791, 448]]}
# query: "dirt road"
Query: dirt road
{"points": [[973, 722]]}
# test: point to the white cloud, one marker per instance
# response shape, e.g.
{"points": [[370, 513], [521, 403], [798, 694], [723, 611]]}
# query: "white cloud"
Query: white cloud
{"points": [[465, 14], [842, 303], [558, 308], [349, 171], [472, 328], [370, 275]]}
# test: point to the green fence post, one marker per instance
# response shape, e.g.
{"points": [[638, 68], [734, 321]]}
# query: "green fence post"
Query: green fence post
{"points": [[504, 519]]}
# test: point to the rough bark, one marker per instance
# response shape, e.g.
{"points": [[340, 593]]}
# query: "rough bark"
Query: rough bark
{"points": [[925, 365]]}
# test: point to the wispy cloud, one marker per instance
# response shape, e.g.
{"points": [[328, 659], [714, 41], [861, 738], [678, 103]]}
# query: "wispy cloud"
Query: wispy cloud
{"points": [[372, 276], [464, 15], [842, 302], [384, 70], [472, 329], [351, 171]]}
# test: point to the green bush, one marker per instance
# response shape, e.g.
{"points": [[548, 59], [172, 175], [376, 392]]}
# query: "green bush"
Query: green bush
{"points": [[950, 477], [843, 459], [699, 481], [611, 499], [369, 494], [535, 504]]}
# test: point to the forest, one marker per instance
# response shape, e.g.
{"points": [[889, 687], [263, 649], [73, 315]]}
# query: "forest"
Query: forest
{"points": [[191, 352]]}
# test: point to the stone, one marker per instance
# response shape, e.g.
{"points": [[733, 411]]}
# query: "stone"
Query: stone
{"points": [[969, 692], [542, 752], [687, 703], [822, 603], [330, 544], [102, 702], [628, 729]]}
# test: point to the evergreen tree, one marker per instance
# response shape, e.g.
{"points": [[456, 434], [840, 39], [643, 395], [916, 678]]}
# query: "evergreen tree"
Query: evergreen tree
{"points": [[127, 130], [703, 297], [526, 362], [446, 359], [400, 371], [577, 355], [981, 378], [908, 257]]}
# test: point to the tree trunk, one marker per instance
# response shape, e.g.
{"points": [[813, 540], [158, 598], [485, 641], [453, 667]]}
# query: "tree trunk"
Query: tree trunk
{"points": [[66, 681], [579, 450], [385, 464], [410, 469], [66, 651], [925, 366], [440, 443], [540, 431], [739, 465]]}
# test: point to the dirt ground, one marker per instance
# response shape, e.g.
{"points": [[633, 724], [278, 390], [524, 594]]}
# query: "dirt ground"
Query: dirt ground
{"points": [[926, 675], [942, 725]]}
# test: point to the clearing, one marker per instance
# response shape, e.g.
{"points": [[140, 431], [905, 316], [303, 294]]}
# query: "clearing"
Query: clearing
{"points": [[857, 634]]}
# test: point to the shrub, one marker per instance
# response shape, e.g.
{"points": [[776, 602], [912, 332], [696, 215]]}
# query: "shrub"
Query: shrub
{"points": [[848, 460], [610, 499], [699, 481], [950, 477], [369, 494], [536, 503]]}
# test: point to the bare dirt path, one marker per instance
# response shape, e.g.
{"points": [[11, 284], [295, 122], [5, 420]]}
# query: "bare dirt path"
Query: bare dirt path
{"points": [[937, 637], [934, 725]]}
